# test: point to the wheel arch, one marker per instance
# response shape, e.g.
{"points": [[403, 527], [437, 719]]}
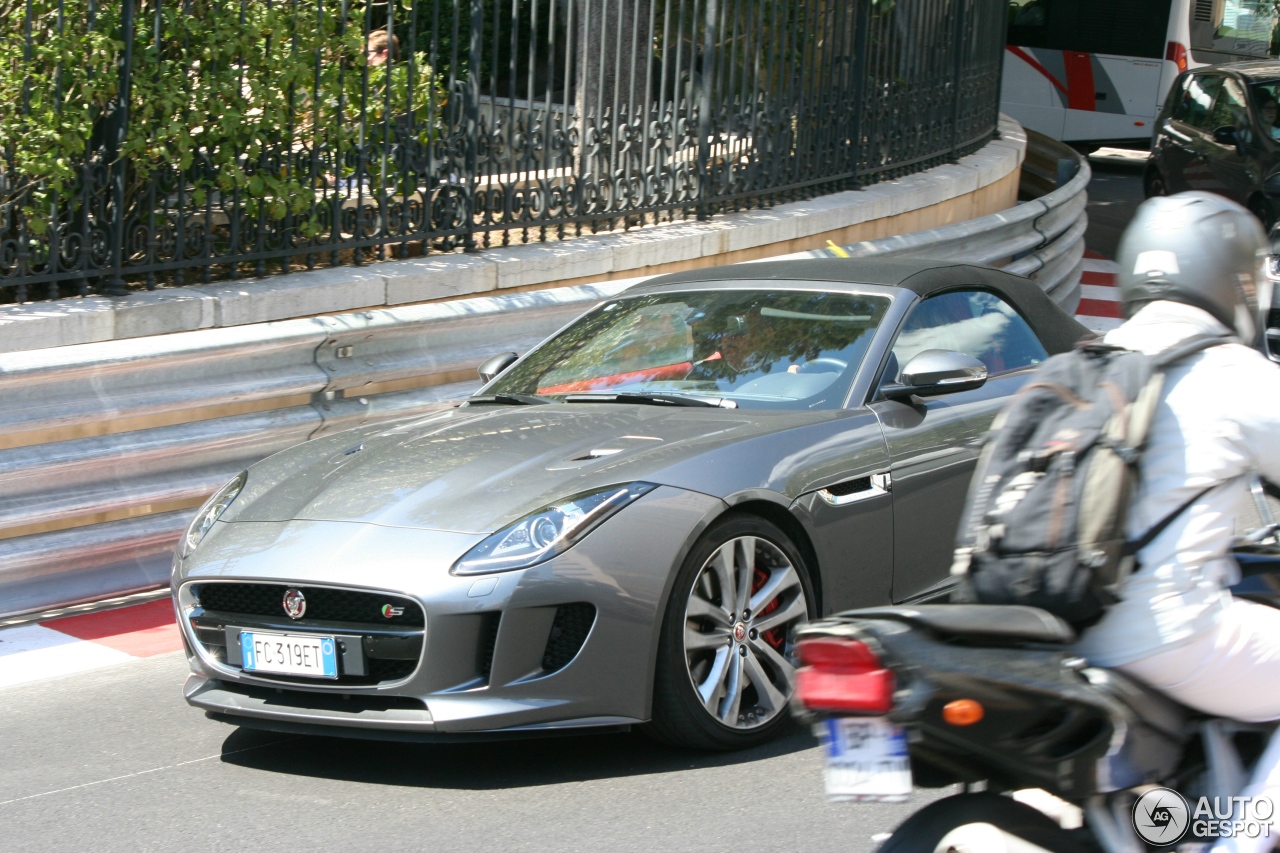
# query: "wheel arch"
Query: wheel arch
{"points": [[758, 503], [778, 515]]}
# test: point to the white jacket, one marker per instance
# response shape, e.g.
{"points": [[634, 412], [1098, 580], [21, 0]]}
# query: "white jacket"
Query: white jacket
{"points": [[1218, 422]]}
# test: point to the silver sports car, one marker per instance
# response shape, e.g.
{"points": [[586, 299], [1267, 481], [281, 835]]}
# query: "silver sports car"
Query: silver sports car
{"points": [[624, 525]]}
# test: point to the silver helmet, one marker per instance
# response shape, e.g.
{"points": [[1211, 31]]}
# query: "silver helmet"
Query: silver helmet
{"points": [[1199, 249]]}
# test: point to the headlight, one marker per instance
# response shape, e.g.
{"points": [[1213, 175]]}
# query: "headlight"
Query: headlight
{"points": [[547, 532], [210, 512]]}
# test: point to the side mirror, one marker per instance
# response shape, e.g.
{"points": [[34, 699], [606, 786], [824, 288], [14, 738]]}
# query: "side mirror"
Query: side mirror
{"points": [[935, 372], [494, 365], [1229, 135]]}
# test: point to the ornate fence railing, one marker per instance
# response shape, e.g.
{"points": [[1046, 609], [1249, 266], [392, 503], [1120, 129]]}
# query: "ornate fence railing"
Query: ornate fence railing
{"points": [[161, 142]]}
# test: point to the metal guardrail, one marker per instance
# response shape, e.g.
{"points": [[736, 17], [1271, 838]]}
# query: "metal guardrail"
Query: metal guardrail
{"points": [[1042, 238], [84, 516]]}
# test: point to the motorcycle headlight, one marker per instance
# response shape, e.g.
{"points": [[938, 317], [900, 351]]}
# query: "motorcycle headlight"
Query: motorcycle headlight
{"points": [[211, 512], [547, 532]]}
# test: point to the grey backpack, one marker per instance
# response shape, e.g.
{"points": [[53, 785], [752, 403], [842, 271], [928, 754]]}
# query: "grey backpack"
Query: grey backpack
{"points": [[1044, 524]]}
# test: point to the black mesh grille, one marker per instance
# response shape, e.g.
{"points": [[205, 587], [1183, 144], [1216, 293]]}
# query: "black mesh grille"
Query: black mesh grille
{"points": [[323, 604], [488, 641], [568, 633]]}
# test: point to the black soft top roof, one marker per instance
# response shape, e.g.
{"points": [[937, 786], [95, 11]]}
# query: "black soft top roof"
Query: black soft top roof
{"points": [[1057, 329]]}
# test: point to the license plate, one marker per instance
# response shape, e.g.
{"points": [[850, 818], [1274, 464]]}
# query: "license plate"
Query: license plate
{"points": [[866, 760], [288, 654]]}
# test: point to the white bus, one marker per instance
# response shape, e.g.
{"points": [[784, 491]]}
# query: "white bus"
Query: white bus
{"points": [[1095, 72]]}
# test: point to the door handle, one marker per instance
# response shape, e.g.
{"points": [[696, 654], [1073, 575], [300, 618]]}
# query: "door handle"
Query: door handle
{"points": [[853, 491]]}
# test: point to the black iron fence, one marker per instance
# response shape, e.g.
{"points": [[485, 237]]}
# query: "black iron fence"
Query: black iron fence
{"points": [[163, 142]]}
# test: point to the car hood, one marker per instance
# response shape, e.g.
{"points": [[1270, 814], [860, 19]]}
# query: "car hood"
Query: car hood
{"points": [[477, 468]]}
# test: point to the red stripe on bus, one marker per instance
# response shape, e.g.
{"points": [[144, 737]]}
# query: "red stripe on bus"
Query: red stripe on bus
{"points": [[1031, 60], [1080, 91]]}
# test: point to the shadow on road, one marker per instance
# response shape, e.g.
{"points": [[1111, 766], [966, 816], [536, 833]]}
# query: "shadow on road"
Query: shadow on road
{"points": [[484, 765], [1115, 191]]}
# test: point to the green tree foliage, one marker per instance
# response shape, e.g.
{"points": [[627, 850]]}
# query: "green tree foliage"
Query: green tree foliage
{"points": [[259, 99]]}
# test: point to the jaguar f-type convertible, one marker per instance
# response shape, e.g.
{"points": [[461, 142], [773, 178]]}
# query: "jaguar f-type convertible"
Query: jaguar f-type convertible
{"points": [[623, 526]]}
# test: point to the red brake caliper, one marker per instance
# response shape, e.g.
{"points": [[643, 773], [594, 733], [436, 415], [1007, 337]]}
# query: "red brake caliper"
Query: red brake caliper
{"points": [[774, 636]]}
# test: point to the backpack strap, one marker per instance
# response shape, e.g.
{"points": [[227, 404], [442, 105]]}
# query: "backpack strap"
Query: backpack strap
{"points": [[1190, 346], [1147, 538], [1143, 410]]}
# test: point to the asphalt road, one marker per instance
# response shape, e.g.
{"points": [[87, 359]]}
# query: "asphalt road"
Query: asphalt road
{"points": [[1115, 191], [115, 760]]}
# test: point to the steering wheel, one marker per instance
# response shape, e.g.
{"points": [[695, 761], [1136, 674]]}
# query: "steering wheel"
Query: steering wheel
{"points": [[824, 365]]}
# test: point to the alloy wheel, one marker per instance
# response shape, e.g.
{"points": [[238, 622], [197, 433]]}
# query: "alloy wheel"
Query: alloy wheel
{"points": [[743, 605]]}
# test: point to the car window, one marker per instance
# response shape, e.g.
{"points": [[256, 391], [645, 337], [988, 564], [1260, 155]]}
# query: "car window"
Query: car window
{"points": [[761, 348], [974, 322], [1230, 109], [1263, 96], [1196, 99]]}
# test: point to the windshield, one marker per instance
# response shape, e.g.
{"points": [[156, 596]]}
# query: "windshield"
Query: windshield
{"points": [[1239, 27], [758, 348]]}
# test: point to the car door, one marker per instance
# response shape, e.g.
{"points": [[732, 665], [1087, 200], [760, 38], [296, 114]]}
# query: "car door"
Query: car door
{"points": [[1182, 136], [1228, 162], [933, 442]]}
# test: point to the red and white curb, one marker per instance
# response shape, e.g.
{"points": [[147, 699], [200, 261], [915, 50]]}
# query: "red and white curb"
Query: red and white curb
{"points": [[71, 644], [90, 641], [1099, 307]]}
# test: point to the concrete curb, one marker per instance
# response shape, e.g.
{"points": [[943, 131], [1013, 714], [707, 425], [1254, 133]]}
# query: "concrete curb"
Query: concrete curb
{"points": [[434, 277]]}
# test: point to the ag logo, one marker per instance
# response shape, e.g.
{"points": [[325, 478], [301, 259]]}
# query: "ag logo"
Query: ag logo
{"points": [[392, 612], [1161, 816]]}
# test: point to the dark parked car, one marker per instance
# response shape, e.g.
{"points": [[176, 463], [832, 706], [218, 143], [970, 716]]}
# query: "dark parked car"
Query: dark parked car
{"points": [[1218, 133], [625, 525]]}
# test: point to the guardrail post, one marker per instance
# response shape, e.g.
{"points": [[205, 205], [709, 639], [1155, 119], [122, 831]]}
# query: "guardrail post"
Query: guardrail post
{"points": [[119, 128]]}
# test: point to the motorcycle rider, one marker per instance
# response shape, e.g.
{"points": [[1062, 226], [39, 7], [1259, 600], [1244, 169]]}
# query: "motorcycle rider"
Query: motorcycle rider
{"points": [[1192, 264]]}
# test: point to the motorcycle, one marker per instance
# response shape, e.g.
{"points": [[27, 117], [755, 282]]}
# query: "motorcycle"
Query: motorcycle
{"points": [[990, 697]]}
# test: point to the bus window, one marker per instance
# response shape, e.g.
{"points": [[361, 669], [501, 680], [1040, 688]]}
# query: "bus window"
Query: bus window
{"points": [[1195, 99], [1241, 28], [1130, 28]]}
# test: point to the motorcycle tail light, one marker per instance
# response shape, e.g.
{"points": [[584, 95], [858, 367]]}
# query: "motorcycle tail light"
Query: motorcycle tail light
{"points": [[842, 676]]}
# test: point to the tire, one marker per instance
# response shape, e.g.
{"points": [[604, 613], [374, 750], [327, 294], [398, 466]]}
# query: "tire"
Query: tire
{"points": [[922, 832], [1153, 183], [722, 679]]}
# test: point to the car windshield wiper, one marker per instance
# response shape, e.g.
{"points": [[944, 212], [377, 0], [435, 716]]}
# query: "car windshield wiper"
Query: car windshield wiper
{"points": [[511, 399], [653, 400]]}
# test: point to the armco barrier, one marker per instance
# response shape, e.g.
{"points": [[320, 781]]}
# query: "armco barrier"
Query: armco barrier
{"points": [[1042, 239], [94, 495]]}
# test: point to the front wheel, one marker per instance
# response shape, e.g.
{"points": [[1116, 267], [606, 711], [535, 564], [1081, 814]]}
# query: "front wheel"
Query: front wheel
{"points": [[925, 830], [723, 676]]}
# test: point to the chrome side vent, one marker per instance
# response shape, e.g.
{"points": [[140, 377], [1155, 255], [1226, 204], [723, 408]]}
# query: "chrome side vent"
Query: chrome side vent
{"points": [[857, 489]]}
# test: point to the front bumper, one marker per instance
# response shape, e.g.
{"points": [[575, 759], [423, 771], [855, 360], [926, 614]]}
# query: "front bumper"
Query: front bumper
{"points": [[566, 644]]}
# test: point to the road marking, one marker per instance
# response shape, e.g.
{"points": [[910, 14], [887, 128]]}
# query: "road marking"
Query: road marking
{"points": [[86, 642], [145, 772]]}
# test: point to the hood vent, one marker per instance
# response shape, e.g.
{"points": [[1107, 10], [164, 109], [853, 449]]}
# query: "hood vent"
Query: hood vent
{"points": [[596, 454]]}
